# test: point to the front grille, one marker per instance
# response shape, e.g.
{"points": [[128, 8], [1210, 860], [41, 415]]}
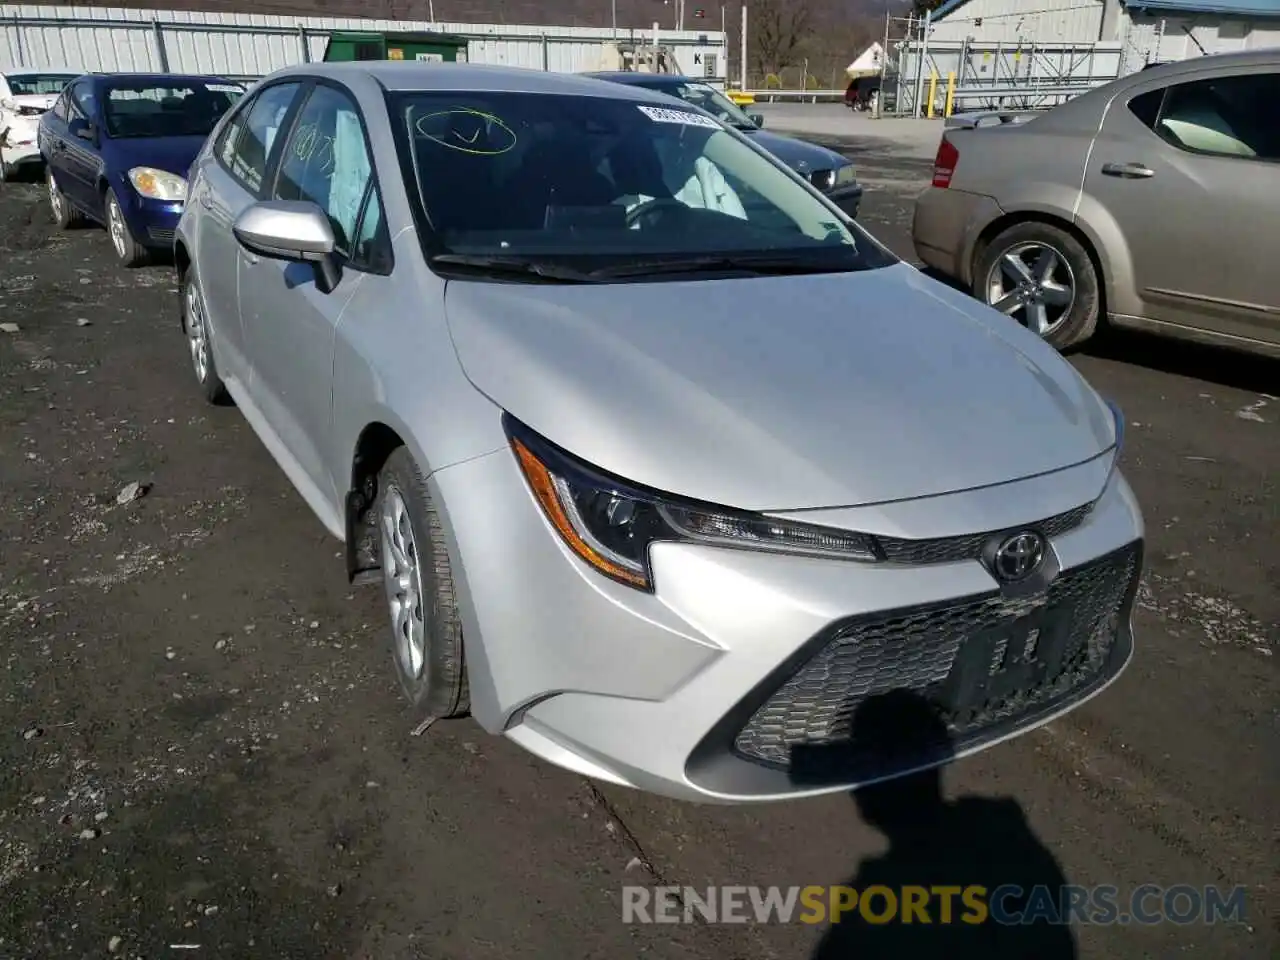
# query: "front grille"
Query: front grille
{"points": [[987, 664], [969, 546], [160, 236]]}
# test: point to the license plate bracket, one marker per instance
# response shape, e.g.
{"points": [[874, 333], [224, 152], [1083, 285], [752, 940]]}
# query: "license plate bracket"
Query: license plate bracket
{"points": [[998, 662]]}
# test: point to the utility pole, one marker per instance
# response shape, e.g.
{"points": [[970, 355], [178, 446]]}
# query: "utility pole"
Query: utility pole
{"points": [[614, 4], [884, 69], [742, 63], [922, 55]]}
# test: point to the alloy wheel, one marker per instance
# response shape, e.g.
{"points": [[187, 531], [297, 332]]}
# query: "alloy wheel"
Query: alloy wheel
{"points": [[197, 333], [55, 199], [1033, 283], [115, 225], [403, 577]]}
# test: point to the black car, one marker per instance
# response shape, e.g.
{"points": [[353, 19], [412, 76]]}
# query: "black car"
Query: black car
{"points": [[825, 169]]}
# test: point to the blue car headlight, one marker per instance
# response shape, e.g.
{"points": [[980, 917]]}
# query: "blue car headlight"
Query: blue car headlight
{"points": [[158, 184]]}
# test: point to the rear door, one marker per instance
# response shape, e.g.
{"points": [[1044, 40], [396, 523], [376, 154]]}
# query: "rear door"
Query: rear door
{"points": [[228, 182], [1188, 169]]}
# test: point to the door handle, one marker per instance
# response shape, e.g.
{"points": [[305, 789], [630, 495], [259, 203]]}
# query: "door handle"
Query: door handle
{"points": [[250, 258], [1130, 171], [203, 197]]}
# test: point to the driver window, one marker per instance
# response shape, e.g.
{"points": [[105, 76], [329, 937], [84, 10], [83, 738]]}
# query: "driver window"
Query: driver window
{"points": [[327, 162], [81, 101]]}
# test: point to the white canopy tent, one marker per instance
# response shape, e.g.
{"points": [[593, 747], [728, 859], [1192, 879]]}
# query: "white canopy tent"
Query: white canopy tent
{"points": [[867, 64]]}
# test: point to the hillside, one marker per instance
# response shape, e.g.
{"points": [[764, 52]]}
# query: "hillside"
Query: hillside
{"points": [[782, 34]]}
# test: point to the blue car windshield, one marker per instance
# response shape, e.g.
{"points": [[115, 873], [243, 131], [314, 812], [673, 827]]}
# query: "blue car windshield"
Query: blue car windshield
{"points": [[589, 177], [168, 109]]}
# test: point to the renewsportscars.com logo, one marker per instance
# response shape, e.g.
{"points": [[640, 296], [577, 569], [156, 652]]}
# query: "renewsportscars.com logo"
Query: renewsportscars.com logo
{"points": [[971, 905]]}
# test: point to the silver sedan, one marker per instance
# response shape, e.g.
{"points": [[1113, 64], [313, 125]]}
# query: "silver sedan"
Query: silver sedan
{"points": [[670, 472]]}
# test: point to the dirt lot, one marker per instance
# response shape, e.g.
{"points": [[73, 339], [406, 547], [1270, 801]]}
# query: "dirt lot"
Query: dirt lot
{"points": [[202, 749]]}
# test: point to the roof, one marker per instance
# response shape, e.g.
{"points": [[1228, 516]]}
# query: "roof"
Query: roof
{"points": [[1247, 8], [639, 79], [1251, 8], [130, 79], [400, 75]]}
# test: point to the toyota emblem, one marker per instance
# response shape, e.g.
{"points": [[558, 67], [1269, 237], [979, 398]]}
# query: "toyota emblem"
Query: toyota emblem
{"points": [[1019, 556]]}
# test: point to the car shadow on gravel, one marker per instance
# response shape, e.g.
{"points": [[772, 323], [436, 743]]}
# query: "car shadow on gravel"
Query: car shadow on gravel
{"points": [[939, 851]]}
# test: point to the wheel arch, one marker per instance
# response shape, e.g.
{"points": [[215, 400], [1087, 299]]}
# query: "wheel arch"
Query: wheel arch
{"points": [[1065, 224]]}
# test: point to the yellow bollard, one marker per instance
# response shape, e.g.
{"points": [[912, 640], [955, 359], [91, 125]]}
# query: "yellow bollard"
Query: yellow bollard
{"points": [[951, 93], [933, 91]]}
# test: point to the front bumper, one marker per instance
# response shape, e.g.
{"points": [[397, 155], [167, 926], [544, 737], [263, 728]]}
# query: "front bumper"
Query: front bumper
{"points": [[154, 223], [847, 197], [19, 152], [735, 680]]}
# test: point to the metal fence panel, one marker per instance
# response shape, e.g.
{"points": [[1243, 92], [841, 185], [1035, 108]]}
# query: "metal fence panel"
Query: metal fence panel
{"points": [[250, 46]]}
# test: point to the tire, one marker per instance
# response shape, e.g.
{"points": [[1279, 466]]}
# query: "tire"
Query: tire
{"points": [[1069, 296], [128, 251], [64, 215], [195, 326], [412, 547]]}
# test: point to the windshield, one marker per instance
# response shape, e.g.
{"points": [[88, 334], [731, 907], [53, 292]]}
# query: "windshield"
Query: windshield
{"points": [[710, 99], [184, 109], [603, 181], [38, 84]]}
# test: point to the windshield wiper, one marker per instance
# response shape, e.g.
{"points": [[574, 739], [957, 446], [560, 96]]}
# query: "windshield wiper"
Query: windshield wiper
{"points": [[760, 265], [514, 266]]}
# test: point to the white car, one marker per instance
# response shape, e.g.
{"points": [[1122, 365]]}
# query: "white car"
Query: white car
{"points": [[24, 96]]}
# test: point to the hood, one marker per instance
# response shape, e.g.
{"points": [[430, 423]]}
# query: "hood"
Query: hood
{"points": [[42, 101], [794, 152], [171, 154], [780, 393]]}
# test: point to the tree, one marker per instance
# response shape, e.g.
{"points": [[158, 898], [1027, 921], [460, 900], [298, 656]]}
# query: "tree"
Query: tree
{"points": [[920, 7], [777, 31]]}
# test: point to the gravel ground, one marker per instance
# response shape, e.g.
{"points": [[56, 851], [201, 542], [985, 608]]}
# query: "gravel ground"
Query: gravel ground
{"points": [[202, 749]]}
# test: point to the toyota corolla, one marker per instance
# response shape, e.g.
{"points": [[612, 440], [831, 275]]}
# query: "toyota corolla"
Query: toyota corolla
{"points": [[664, 464]]}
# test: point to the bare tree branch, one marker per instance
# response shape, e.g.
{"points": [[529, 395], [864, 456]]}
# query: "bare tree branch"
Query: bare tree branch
{"points": [[777, 31]]}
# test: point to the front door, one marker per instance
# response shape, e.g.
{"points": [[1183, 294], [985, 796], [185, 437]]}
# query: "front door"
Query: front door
{"points": [[1188, 171], [77, 161], [289, 323]]}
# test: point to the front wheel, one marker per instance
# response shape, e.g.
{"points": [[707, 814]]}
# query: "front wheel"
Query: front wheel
{"points": [[195, 324], [128, 251], [1043, 277], [425, 626]]}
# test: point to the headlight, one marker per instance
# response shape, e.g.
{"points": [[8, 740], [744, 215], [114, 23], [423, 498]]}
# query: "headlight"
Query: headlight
{"points": [[845, 174], [158, 184], [610, 523]]}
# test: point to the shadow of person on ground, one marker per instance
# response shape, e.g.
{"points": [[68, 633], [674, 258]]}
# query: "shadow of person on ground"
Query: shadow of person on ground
{"points": [[936, 843]]}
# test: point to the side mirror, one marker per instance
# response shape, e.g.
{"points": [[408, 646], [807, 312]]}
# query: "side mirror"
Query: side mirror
{"points": [[295, 230], [756, 118], [82, 128]]}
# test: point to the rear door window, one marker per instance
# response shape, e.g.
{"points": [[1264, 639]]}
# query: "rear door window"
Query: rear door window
{"points": [[1230, 116], [247, 159]]}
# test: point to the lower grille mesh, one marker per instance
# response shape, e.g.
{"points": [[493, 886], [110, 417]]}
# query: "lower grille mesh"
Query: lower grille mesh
{"points": [[957, 657]]}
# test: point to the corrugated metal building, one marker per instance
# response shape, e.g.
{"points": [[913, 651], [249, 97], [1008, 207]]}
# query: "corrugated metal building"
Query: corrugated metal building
{"points": [[1158, 30], [247, 46], [1148, 30], [1022, 21]]}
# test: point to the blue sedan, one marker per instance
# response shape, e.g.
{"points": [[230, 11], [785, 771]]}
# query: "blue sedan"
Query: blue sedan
{"points": [[825, 169], [117, 148]]}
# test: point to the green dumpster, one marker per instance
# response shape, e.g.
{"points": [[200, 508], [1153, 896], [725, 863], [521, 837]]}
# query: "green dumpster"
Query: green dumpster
{"points": [[346, 46]]}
